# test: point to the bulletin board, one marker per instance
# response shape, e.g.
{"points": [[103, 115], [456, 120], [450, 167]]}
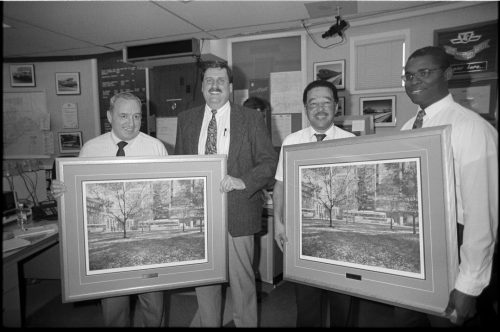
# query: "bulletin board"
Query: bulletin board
{"points": [[26, 126], [116, 76]]}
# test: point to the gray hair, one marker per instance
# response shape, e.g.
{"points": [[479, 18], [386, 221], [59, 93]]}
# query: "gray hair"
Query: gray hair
{"points": [[124, 96]]}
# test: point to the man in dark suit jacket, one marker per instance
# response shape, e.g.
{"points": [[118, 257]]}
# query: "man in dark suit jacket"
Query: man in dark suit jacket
{"points": [[240, 133]]}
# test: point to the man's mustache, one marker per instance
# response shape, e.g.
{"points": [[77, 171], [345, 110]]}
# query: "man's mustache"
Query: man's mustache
{"points": [[215, 90]]}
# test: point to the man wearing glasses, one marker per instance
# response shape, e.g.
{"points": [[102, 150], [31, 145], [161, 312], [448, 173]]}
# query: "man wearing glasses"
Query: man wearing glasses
{"points": [[320, 102], [475, 156]]}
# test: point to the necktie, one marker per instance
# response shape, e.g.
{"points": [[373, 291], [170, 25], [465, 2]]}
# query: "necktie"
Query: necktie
{"points": [[121, 152], [320, 137], [211, 144], [419, 120]]}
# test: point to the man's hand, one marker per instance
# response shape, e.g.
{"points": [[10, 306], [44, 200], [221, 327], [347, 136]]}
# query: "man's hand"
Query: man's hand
{"points": [[230, 183], [279, 234], [57, 188], [461, 307]]}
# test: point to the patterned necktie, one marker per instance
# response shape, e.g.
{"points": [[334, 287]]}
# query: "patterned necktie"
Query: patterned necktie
{"points": [[121, 152], [419, 120], [320, 137], [211, 144]]}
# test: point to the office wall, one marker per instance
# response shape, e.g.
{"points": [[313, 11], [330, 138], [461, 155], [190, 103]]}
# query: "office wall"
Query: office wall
{"points": [[86, 101], [421, 34]]}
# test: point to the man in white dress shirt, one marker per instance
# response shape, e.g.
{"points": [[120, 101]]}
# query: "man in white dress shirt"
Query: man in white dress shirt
{"points": [[125, 139], [320, 102], [475, 155]]}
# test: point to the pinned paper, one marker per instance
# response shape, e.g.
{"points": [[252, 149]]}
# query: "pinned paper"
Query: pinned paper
{"points": [[70, 116]]}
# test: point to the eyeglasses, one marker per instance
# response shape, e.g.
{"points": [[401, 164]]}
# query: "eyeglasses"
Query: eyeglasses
{"points": [[420, 74], [315, 105]]}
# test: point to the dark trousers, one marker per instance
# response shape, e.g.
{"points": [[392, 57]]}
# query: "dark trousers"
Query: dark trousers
{"points": [[317, 307]]}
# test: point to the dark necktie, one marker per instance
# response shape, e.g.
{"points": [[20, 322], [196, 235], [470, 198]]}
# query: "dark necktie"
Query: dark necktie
{"points": [[320, 137], [121, 152], [211, 144], [419, 120]]}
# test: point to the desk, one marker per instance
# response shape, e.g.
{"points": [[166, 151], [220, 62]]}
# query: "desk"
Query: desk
{"points": [[13, 306]]}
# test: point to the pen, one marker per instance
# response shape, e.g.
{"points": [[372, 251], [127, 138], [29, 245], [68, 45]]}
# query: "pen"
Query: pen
{"points": [[225, 130]]}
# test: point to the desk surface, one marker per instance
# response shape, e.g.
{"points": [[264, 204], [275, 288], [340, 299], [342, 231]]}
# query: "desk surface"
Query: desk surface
{"points": [[40, 235]]}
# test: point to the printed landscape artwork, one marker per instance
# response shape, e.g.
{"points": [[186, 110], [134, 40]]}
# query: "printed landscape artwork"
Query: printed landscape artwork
{"points": [[363, 215], [134, 224]]}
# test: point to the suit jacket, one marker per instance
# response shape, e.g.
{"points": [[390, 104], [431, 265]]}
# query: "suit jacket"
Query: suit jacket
{"points": [[251, 158]]}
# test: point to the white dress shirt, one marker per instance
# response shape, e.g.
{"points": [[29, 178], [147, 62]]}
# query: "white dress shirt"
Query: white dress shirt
{"points": [[475, 155], [223, 127], [105, 145], [306, 135]]}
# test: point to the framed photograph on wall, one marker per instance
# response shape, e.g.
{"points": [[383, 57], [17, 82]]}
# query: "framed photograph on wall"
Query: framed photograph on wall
{"points": [[383, 109], [341, 107], [68, 83], [374, 216], [479, 96], [473, 48], [22, 75], [140, 224], [333, 71], [70, 142]]}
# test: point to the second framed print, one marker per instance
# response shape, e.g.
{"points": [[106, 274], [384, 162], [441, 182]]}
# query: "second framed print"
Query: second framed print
{"points": [[383, 109], [138, 224], [374, 217], [68, 83], [332, 71]]}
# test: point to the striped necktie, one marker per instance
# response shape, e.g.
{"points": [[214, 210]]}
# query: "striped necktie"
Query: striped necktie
{"points": [[320, 137], [419, 120], [121, 152], [211, 144]]}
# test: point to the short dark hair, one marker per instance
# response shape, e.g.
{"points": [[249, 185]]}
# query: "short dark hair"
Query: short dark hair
{"points": [[317, 84], [257, 103], [438, 53], [216, 64]]}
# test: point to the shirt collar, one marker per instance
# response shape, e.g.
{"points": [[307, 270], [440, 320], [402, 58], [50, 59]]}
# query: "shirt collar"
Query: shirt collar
{"points": [[225, 108], [433, 109], [116, 140], [329, 133]]}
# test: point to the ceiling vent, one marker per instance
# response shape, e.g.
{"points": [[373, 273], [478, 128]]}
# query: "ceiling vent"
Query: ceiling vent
{"points": [[162, 54]]}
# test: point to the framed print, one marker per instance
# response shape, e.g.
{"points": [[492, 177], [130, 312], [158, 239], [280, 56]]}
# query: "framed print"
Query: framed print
{"points": [[383, 109], [333, 71], [68, 83], [341, 107], [22, 75], [140, 224], [473, 48], [479, 96], [374, 217], [70, 142]]}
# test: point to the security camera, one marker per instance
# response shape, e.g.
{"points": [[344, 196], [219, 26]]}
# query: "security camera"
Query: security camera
{"points": [[337, 28]]}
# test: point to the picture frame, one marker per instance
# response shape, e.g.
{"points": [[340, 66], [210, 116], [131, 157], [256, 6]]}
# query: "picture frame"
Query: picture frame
{"points": [[341, 107], [351, 250], [332, 71], [67, 83], [22, 75], [473, 49], [383, 109], [70, 142], [479, 96], [170, 230]]}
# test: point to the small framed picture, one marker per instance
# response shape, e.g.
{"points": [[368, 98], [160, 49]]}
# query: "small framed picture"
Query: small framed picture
{"points": [[341, 107], [68, 83], [70, 142], [383, 109], [333, 71], [22, 75], [479, 96]]}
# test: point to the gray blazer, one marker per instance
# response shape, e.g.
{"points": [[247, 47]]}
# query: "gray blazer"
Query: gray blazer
{"points": [[251, 158]]}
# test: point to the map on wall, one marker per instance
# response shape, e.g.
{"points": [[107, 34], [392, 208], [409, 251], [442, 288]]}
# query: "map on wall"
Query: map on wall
{"points": [[26, 125]]}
